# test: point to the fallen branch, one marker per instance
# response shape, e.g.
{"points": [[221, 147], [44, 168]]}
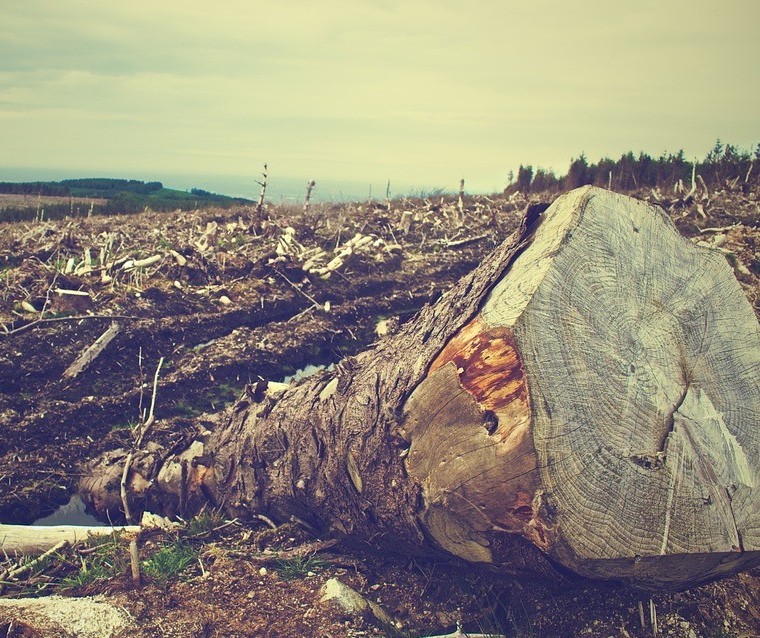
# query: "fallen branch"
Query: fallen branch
{"points": [[132, 264], [37, 322], [76, 293], [463, 242], [304, 551], [14, 573], [92, 353], [297, 289], [722, 229], [270, 523]]}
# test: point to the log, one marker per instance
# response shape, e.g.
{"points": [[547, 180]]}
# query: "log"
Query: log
{"points": [[30, 539], [587, 397]]}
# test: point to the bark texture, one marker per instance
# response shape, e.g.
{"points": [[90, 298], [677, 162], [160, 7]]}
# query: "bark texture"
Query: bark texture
{"points": [[587, 397]]}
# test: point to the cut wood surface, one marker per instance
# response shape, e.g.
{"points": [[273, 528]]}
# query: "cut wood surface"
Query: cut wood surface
{"points": [[638, 448], [587, 397]]}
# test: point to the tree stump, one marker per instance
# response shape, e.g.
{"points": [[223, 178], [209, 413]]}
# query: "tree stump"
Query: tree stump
{"points": [[587, 397]]}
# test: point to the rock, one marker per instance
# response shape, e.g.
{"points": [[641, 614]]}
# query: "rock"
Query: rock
{"points": [[156, 521], [351, 601]]}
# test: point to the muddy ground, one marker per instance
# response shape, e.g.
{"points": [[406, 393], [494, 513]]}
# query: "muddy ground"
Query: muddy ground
{"points": [[223, 298]]}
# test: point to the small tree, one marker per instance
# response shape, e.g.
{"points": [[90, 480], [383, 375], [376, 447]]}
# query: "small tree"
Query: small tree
{"points": [[578, 174], [544, 180], [524, 178]]}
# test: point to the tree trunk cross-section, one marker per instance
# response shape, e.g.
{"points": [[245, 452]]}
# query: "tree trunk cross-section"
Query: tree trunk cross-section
{"points": [[587, 397]]}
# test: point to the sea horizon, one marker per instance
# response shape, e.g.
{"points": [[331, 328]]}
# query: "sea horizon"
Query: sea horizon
{"points": [[279, 189]]}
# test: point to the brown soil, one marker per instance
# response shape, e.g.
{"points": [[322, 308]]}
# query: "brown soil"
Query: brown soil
{"points": [[9, 200], [225, 309]]}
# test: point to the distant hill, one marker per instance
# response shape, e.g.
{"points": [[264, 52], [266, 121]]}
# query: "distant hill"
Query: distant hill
{"points": [[108, 196]]}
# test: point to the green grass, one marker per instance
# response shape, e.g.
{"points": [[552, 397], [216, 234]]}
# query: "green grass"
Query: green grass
{"points": [[170, 561], [128, 425], [108, 560], [294, 568], [87, 568], [203, 524]]}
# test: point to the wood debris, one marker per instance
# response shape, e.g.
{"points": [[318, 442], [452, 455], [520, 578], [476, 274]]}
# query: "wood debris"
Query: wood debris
{"points": [[92, 352]]}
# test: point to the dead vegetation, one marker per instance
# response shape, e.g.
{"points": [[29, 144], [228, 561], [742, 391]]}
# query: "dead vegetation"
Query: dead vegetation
{"points": [[88, 307]]}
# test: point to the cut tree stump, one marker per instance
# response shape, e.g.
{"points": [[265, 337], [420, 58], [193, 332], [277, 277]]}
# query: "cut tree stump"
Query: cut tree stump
{"points": [[588, 397]]}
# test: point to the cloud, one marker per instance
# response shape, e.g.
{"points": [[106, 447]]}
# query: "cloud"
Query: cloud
{"points": [[434, 88]]}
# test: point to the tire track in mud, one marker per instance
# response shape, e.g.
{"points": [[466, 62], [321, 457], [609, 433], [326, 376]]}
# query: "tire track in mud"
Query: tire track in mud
{"points": [[211, 358]]}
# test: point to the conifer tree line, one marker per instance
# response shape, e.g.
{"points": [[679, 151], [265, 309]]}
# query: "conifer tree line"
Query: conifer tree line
{"points": [[724, 163], [88, 187]]}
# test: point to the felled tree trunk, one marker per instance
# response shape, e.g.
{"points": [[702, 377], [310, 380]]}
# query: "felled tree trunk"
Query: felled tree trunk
{"points": [[587, 397]]}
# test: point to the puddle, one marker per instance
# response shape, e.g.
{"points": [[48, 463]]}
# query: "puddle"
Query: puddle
{"points": [[72, 513], [306, 371]]}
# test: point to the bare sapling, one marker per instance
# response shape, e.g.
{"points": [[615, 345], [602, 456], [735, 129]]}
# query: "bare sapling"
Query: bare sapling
{"points": [[309, 188], [263, 184], [142, 430], [460, 202]]}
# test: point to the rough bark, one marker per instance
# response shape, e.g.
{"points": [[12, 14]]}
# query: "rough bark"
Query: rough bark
{"points": [[587, 397]]}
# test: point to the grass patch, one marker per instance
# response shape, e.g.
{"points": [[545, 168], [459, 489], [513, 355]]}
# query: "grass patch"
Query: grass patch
{"points": [[107, 558], [294, 568], [203, 524], [170, 561], [128, 425]]}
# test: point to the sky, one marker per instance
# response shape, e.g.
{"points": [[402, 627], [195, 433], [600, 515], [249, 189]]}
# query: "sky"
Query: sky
{"points": [[418, 92]]}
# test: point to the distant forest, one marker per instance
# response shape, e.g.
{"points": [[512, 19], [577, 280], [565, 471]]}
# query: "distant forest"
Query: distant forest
{"points": [[723, 163], [96, 187], [122, 195]]}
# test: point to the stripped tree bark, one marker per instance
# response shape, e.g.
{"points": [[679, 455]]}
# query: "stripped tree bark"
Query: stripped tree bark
{"points": [[587, 397]]}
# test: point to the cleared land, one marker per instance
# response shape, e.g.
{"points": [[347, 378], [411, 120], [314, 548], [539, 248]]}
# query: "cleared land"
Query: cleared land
{"points": [[230, 296]]}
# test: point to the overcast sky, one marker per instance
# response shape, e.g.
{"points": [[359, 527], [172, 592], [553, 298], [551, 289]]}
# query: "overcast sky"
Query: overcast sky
{"points": [[418, 91]]}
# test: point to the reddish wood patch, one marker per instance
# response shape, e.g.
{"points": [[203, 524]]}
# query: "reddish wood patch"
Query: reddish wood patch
{"points": [[488, 364], [489, 368]]}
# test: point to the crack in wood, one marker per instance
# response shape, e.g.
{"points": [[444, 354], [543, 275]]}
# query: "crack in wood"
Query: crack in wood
{"points": [[671, 421], [730, 497]]}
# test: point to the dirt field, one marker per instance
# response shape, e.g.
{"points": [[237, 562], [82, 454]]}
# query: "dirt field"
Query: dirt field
{"points": [[227, 297], [8, 200]]}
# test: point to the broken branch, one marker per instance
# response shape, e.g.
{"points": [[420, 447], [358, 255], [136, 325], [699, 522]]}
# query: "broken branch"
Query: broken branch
{"points": [[92, 353]]}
